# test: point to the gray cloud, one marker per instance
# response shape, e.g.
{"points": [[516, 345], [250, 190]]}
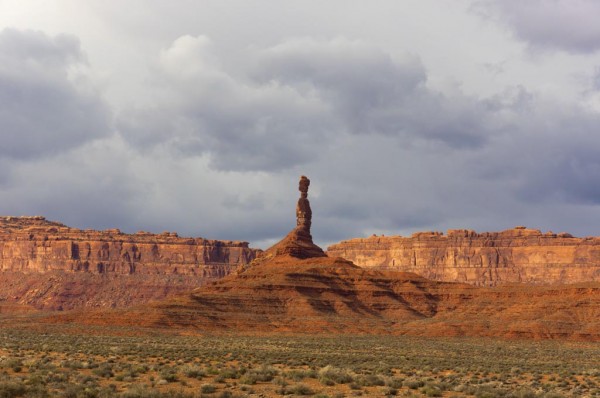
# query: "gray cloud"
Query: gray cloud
{"points": [[204, 111], [368, 92], [42, 111], [550, 155], [299, 95], [215, 134], [91, 185], [569, 25], [389, 153], [596, 80]]}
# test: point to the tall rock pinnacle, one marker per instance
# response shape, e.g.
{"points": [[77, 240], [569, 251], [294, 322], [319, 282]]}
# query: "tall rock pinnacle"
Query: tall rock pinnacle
{"points": [[298, 243], [303, 211]]}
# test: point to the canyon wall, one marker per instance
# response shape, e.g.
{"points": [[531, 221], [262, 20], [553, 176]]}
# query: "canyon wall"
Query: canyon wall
{"points": [[49, 265], [518, 255]]}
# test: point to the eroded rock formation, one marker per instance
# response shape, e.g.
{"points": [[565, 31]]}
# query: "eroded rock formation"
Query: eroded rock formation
{"points": [[295, 288], [49, 265], [303, 211], [298, 243], [326, 295], [518, 255]]}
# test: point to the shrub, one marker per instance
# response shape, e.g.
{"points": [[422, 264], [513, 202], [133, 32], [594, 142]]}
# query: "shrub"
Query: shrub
{"points": [[301, 374], [37, 392], [299, 389], [413, 384], [355, 386], [394, 382], [524, 393], [169, 375], [139, 392], [194, 372], [330, 375], [265, 373], [229, 374], [71, 391], [104, 371], [431, 391], [11, 389], [249, 379], [372, 380], [207, 389]]}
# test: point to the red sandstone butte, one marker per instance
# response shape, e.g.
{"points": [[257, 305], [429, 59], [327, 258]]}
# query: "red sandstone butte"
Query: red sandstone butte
{"points": [[48, 265], [518, 255], [294, 288]]}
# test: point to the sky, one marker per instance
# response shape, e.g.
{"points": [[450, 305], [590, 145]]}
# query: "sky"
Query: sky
{"points": [[200, 116]]}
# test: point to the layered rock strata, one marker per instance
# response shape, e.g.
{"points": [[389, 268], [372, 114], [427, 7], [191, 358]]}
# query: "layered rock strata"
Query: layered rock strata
{"points": [[295, 288], [49, 265], [519, 255], [325, 295], [319, 294]]}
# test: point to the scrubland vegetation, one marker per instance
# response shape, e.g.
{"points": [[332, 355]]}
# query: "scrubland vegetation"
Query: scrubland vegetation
{"points": [[55, 364]]}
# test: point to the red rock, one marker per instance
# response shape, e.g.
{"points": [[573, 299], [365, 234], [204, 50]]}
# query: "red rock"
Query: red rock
{"points": [[105, 268], [330, 295], [483, 259], [298, 243], [292, 289], [284, 293]]}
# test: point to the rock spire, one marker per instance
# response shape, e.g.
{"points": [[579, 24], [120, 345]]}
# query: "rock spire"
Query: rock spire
{"points": [[298, 243], [303, 211]]}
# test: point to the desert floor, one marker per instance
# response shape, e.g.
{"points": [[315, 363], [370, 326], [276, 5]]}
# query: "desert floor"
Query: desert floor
{"points": [[67, 361]]}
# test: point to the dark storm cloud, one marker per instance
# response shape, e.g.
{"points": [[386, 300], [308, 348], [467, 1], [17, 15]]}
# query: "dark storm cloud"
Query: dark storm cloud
{"points": [[542, 155], [566, 167], [300, 96], [569, 25], [551, 154], [393, 154], [240, 126], [371, 93], [91, 185], [42, 111]]}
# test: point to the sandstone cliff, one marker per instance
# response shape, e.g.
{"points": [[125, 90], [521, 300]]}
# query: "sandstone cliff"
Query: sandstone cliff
{"points": [[49, 265], [294, 288], [483, 259]]}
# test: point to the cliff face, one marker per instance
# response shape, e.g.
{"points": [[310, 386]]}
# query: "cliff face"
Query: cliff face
{"points": [[34, 251], [326, 295], [294, 288], [483, 259]]}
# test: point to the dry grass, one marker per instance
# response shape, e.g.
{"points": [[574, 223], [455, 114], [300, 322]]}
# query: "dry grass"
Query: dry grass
{"points": [[49, 364]]}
